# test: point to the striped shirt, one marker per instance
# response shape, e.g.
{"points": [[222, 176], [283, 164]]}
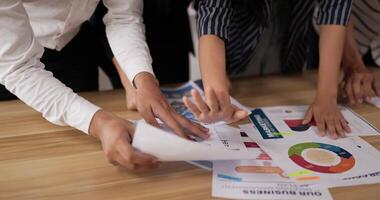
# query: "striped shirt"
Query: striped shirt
{"points": [[242, 30], [366, 21]]}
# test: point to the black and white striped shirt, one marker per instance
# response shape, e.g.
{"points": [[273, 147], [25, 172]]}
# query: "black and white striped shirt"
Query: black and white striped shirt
{"points": [[241, 29], [366, 21]]}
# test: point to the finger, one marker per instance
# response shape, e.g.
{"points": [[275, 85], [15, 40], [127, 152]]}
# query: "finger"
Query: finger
{"points": [[204, 129], [376, 87], [149, 117], [114, 163], [229, 112], [167, 117], [142, 159], [357, 89], [321, 125], [331, 128], [199, 102], [212, 101], [367, 88], [339, 129], [238, 114], [342, 86], [191, 127], [125, 163], [345, 125], [132, 157], [308, 116], [349, 92], [191, 106]]}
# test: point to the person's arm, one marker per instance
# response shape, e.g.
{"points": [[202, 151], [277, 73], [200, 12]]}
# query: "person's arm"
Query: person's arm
{"points": [[126, 35], [212, 60], [359, 83], [324, 110], [22, 73]]}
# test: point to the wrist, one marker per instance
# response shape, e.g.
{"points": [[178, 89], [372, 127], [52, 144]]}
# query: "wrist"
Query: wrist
{"points": [[145, 79], [354, 66], [217, 83], [326, 96], [99, 119]]}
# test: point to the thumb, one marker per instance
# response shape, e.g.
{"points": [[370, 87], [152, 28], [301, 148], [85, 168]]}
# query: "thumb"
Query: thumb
{"points": [[239, 114], [308, 117]]}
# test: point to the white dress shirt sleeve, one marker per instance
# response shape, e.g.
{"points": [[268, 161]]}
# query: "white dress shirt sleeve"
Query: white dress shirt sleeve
{"points": [[126, 35], [23, 74]]}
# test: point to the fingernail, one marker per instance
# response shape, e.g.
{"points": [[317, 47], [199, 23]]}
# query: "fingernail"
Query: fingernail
{"points": [[323, 133], [360, 100], [206, 130]]}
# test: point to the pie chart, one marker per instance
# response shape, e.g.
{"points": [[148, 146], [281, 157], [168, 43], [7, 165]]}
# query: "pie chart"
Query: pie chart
{"points": [[322, 158]]}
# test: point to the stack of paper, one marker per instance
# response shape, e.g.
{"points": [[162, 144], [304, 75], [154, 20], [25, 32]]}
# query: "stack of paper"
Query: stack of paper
{"points": [[167, 146], [274, 157], [309, 159]]}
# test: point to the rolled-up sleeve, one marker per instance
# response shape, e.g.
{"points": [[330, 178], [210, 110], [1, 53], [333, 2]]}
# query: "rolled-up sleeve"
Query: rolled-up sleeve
{"points": [[126, 35], [23, 74], [334, 12], [214, 17]]}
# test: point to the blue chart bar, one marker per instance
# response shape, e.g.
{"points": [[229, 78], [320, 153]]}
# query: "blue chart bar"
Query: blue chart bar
{"points": [[229, 177]]}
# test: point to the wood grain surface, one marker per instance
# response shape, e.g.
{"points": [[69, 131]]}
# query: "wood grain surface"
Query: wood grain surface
{"points": [[39, 160]]}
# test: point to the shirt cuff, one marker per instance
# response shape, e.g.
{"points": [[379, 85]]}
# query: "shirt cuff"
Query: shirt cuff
{"points": [[133, 66], [80, 114]]}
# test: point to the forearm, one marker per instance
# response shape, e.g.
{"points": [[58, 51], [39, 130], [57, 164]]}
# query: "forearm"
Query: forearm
{"points": [[351, 57], [126, 36], [212, 60], [123, 77], [23, 74], [331, 49]]}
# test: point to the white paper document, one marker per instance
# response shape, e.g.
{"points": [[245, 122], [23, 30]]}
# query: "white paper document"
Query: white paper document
{"points": [[259, 179], [203, 164], [286, 121], [310, 159], [167, 146], [375, 101]]}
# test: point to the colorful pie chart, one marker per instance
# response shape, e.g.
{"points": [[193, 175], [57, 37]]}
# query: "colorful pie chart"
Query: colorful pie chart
{"points": [[322, 158]]}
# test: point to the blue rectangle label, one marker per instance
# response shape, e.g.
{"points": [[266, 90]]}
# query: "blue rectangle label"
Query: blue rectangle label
{"points": [[264, 125]]}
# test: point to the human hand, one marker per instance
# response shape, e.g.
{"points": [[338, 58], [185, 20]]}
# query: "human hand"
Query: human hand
{"points": [[328, 118], [359, 84], [116, 136], [216, 107], [151, 103]]}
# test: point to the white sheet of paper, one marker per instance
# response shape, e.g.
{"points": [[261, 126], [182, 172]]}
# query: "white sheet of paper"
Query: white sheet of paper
{"points": [[204, 164], [311, 159], [286, 121], [259, 179], [167, 146], [375, 101]]}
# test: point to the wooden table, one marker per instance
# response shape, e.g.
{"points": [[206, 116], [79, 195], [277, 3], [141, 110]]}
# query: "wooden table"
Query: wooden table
{"points": [[39, 160]]}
